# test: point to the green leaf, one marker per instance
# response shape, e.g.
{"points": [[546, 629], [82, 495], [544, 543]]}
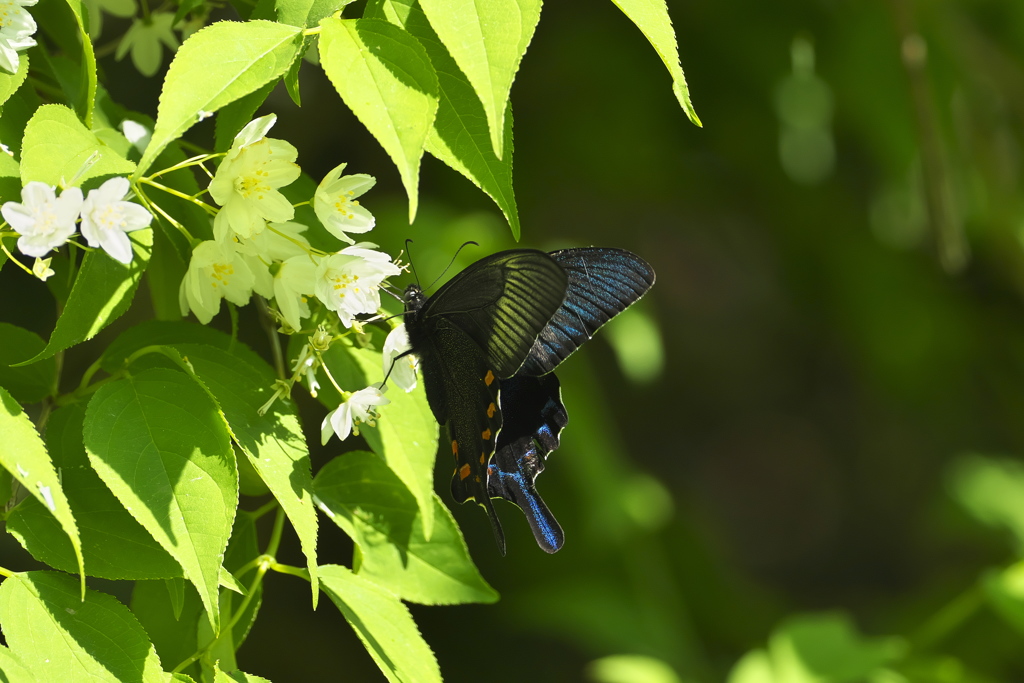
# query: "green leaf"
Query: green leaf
{"points": [[165, 332], [9, 83], [487, 40], [159, 443], [164, 275], [236, 676], [12, 670], [459, 136], [273, 443], [233, 117], [102, 291], [631, 669], [651, 17], [1005, 592], [9, 169], [372, 505], [753, 667], [176, 622], [816, 647], [307, 13], [406, 433], [114, 544], [58, 150], [384, 76], [992, 490], [215, 66], [61, 637], [384, 625], [87, 95], [28, 383], [25, 457]]}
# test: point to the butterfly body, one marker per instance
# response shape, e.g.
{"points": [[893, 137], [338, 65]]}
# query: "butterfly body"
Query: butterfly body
{"points": [[488, 340]]}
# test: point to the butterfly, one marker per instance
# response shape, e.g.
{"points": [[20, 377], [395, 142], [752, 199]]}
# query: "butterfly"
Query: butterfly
{"points": [[488, 341]]}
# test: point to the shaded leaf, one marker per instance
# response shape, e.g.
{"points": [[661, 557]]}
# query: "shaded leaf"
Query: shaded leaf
{"points": [[372, 505], [384, 625], [114, 544], [25, 457]]}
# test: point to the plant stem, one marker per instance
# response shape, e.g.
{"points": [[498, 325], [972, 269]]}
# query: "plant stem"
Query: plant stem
{"points": [[954, 614]]}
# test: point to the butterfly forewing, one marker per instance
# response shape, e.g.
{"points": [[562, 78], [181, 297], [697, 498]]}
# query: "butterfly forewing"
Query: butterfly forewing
{"points": [[502, 302], [602, 283]]}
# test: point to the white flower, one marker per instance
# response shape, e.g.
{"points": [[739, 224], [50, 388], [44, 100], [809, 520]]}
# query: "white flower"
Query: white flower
{"points": [[215, 272], [293, 283], [136, 133], [278, 243], [43, 220], [245, 184], [41, 268], [16, 29], [307, 364], [402, 371], [360, 407], [107, 218], [336, 206], [144, 39], [348, 282]]}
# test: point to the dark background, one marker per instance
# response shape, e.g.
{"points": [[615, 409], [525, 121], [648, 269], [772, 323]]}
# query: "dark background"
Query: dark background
{"points": [[839, 259]]}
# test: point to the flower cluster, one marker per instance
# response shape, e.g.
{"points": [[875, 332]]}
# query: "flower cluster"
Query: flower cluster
{"points": [[46, 221], [258, 248], [16, 29]]}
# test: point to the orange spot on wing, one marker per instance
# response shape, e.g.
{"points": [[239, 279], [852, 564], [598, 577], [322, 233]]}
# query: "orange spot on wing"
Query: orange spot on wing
{"points": [[489, 378], [491, 410], [483, 458], [486, 434], [455, 447], [464, 471]]}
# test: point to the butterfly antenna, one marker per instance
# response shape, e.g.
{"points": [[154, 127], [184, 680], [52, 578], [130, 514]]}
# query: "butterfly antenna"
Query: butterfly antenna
{"points": [[387, 289], [464, 245], [412, 265]]}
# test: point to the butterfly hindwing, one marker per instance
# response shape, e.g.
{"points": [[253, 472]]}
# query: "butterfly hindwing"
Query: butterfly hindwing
{"points": [[603, 282], [533, 416]]}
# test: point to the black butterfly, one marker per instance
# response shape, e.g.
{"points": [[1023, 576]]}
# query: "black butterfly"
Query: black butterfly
{"points": [[487, 342]]}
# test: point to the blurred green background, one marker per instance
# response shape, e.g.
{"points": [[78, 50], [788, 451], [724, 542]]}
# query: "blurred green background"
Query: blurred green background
{"points": [[839, 308], [775, 440]]}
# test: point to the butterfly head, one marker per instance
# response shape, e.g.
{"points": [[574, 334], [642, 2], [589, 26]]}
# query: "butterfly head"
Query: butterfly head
{"points": [[413, 298]]}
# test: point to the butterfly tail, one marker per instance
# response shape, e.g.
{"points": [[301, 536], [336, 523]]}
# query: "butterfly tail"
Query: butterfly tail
{"points": [[512, 475], [492, 514]]}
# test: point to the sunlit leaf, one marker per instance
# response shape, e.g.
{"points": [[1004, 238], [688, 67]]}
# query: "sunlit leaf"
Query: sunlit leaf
{"points": [[215, 66], [385, 77], [487, 40], [651, 17], [60, 637], [158, 442]]}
